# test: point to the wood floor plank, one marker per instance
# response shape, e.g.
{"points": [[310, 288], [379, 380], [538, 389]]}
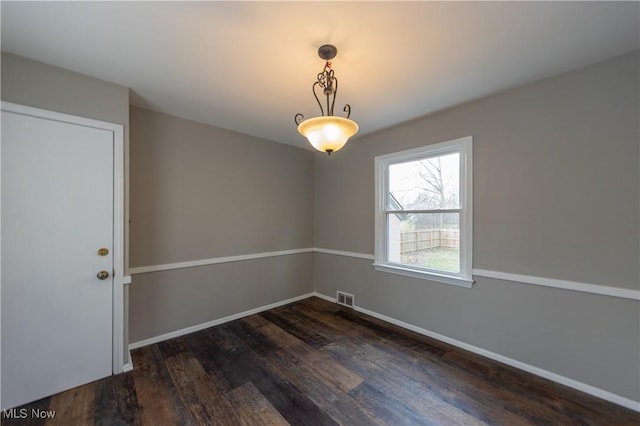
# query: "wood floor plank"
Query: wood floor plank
{"points": [[396, 357], [386, 407], [255, 340], [387, 332], [304, 334], [295, 313], [24, 414], [256, 321], [493, 401], [74, 407], [336, 403], [318, 304], [180, 374], [116, 401], [176, 346], [240, 365], [253, 408], [326, 367], [343, 325], [217, 358], [157, 397], [200, 392], [533, 388], [344, 319], [421, 393]]}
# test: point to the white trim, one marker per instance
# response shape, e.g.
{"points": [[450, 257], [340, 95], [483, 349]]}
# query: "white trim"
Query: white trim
{"points": [[429, 276], [327, 298], [344, 253], [215, 322], [583, 387], [118, 249], [118, 213], [126, 280], [523, 279], [562, 284], [215, 260], [59, 116], [128, 366], [602, 290]]}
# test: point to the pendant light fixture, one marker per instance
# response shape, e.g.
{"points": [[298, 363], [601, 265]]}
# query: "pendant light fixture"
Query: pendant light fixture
{"points": [[327, 133]]}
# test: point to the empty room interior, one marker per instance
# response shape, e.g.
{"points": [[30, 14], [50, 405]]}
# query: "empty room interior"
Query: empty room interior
{"points": [[199, 225]]}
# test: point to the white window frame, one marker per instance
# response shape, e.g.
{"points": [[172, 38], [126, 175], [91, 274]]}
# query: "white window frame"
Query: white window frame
{"points": [[463, 146]]}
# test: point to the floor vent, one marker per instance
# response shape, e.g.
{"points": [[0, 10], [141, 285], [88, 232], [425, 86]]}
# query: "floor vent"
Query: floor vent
{"points": [[345, 299]]}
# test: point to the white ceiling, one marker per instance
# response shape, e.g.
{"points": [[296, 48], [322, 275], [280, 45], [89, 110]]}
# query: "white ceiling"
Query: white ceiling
{"points": [[249, 66]]}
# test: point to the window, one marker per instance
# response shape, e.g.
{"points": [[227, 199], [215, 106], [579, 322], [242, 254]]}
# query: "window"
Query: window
{"points": [[424, 212]]}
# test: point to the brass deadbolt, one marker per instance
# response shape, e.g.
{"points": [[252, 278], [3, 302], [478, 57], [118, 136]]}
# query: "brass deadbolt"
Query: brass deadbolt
{"points": [[103, 252]]}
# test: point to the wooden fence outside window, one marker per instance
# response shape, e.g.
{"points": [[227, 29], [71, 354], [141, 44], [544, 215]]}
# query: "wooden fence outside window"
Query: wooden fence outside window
{"points": [[426, 239]]}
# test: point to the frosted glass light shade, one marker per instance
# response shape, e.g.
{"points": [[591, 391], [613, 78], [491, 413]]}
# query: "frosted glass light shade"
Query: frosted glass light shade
{"points": [[328, 134]]}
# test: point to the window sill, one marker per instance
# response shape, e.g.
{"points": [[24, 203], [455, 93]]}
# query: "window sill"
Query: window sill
{"points": [[430, 276]]}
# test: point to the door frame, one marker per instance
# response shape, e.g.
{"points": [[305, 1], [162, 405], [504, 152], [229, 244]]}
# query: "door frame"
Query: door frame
{"points": [[118, 344]]}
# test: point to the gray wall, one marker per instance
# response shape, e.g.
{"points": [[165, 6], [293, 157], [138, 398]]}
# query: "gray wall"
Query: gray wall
{"points": [[28, 82], [163, 302], [40, 85], [556, 195], [44, 86], [199, 192]]}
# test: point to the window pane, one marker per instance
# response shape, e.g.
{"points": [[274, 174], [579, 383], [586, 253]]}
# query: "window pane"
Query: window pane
{"points": [[427, 240], [427, 184]]}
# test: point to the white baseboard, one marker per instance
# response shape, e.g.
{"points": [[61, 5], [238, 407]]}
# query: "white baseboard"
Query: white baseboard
{"points": [[128, 365], [327, 298], [583, 387], [198, 327]]}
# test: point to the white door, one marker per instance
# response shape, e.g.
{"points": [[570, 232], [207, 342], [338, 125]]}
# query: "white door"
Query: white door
{"points": [[57, 212]]}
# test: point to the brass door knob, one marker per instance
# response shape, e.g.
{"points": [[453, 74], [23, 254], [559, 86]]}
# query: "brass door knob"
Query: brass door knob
{"points": [[103, 275]]}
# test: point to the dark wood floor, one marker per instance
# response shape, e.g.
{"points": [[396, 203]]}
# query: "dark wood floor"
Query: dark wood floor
{"points": [[313, 363]]}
